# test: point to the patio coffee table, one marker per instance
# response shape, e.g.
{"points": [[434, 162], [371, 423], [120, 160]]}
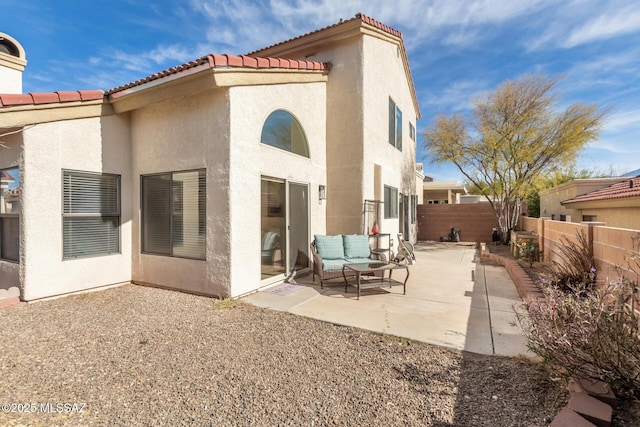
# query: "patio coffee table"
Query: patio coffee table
{"points": [[375, 270]]}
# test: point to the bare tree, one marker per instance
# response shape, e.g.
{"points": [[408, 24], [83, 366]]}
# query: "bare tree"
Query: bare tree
{"points": [[515, 135]]}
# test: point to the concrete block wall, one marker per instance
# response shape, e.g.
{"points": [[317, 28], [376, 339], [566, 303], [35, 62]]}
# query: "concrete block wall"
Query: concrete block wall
{"points": [[615, 254], [557, 232], [613, 248], [475, 221], [534, 225]]}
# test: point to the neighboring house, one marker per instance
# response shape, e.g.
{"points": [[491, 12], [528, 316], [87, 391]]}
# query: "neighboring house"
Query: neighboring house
{"points": [[442, 192], [617, 205], [212, 177], [551, 200]]}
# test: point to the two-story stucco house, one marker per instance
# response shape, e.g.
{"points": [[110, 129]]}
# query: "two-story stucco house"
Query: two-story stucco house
{"points": [[211, 177]]}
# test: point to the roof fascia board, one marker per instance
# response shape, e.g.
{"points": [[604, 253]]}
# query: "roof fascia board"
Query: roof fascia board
{"points": [[19, 116], [582, 182], [617, 203], [207, 79]]}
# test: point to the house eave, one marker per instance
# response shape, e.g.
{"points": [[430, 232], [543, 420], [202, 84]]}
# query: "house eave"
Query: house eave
{"points": [[24, 115], [621, 202], [205, 78]]}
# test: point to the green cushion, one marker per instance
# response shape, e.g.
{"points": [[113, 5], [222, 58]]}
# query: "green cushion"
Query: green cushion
{"points": [[356, 246], [329, 247], [332, 264]]}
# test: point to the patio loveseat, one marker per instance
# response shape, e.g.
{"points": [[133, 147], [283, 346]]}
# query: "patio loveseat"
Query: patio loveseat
{"points": [[330, 253]]}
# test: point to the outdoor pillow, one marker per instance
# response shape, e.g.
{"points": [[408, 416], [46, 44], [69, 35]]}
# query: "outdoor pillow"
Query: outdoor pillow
{"points": [[329, 247], [356, 246]]}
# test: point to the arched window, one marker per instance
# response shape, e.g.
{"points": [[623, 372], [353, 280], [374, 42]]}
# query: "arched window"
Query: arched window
{"points": [[282, 130]]}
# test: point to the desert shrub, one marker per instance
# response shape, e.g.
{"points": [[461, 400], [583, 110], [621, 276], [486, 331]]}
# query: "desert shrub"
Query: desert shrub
{"points": [[575, 268], [587, 333]]}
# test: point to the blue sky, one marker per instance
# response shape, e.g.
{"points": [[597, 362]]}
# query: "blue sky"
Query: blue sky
{"points": [[458, 50]]}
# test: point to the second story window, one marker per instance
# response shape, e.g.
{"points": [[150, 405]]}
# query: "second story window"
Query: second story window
{"points": [[282, 130], [395, 125]]}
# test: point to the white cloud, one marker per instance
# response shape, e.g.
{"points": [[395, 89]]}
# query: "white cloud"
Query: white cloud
{"points": [[455, 97], [612, 23], [624, 121], [580, 22]]}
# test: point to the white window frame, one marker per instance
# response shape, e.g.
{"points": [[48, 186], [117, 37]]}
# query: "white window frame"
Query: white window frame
{"points": [[79, 203], [390, 202], [395, 125]]}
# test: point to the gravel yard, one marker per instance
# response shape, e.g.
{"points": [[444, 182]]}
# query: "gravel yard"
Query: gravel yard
{"points": [[134, 355]]}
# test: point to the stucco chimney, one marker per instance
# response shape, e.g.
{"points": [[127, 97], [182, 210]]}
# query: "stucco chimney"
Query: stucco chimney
{"points": [[12, 62]]}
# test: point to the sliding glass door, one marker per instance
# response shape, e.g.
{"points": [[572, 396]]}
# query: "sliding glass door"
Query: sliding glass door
{"points": [[284, 227], [298, 227]]}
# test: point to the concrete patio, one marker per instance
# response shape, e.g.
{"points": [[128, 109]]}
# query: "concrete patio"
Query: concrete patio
{"points": [[451, 300]]}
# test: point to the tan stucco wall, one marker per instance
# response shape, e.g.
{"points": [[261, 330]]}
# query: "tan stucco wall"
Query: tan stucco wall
{"points": [[619, 217], [550, 199], [360, 160], [384, 77], [250, 160], [344, 138], [10, 271], [93, 145], [186, 133]]}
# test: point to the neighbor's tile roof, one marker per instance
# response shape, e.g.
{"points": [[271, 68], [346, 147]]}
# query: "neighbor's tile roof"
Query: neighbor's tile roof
{"points": [[358, 17], [623, 189], [12, 99], [229, 61]]}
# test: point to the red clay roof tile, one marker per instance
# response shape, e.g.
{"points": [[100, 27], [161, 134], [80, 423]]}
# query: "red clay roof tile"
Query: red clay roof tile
{"points": [[39, 98], [250, 62], [45, 98], [69, 96], [234, 60], [227, 60], [12, 99], [90, 95], [366, 19], [630, 187]]}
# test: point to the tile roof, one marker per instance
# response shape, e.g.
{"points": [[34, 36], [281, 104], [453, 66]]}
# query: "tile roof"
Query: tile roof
{"points": [[358, 17], [229, 61], [12, 99], [620, 190], [208, 61]]}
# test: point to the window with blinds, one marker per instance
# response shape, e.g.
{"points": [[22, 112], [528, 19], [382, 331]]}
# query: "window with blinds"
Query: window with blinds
{"points": [[174, 214], [91, 214]]}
